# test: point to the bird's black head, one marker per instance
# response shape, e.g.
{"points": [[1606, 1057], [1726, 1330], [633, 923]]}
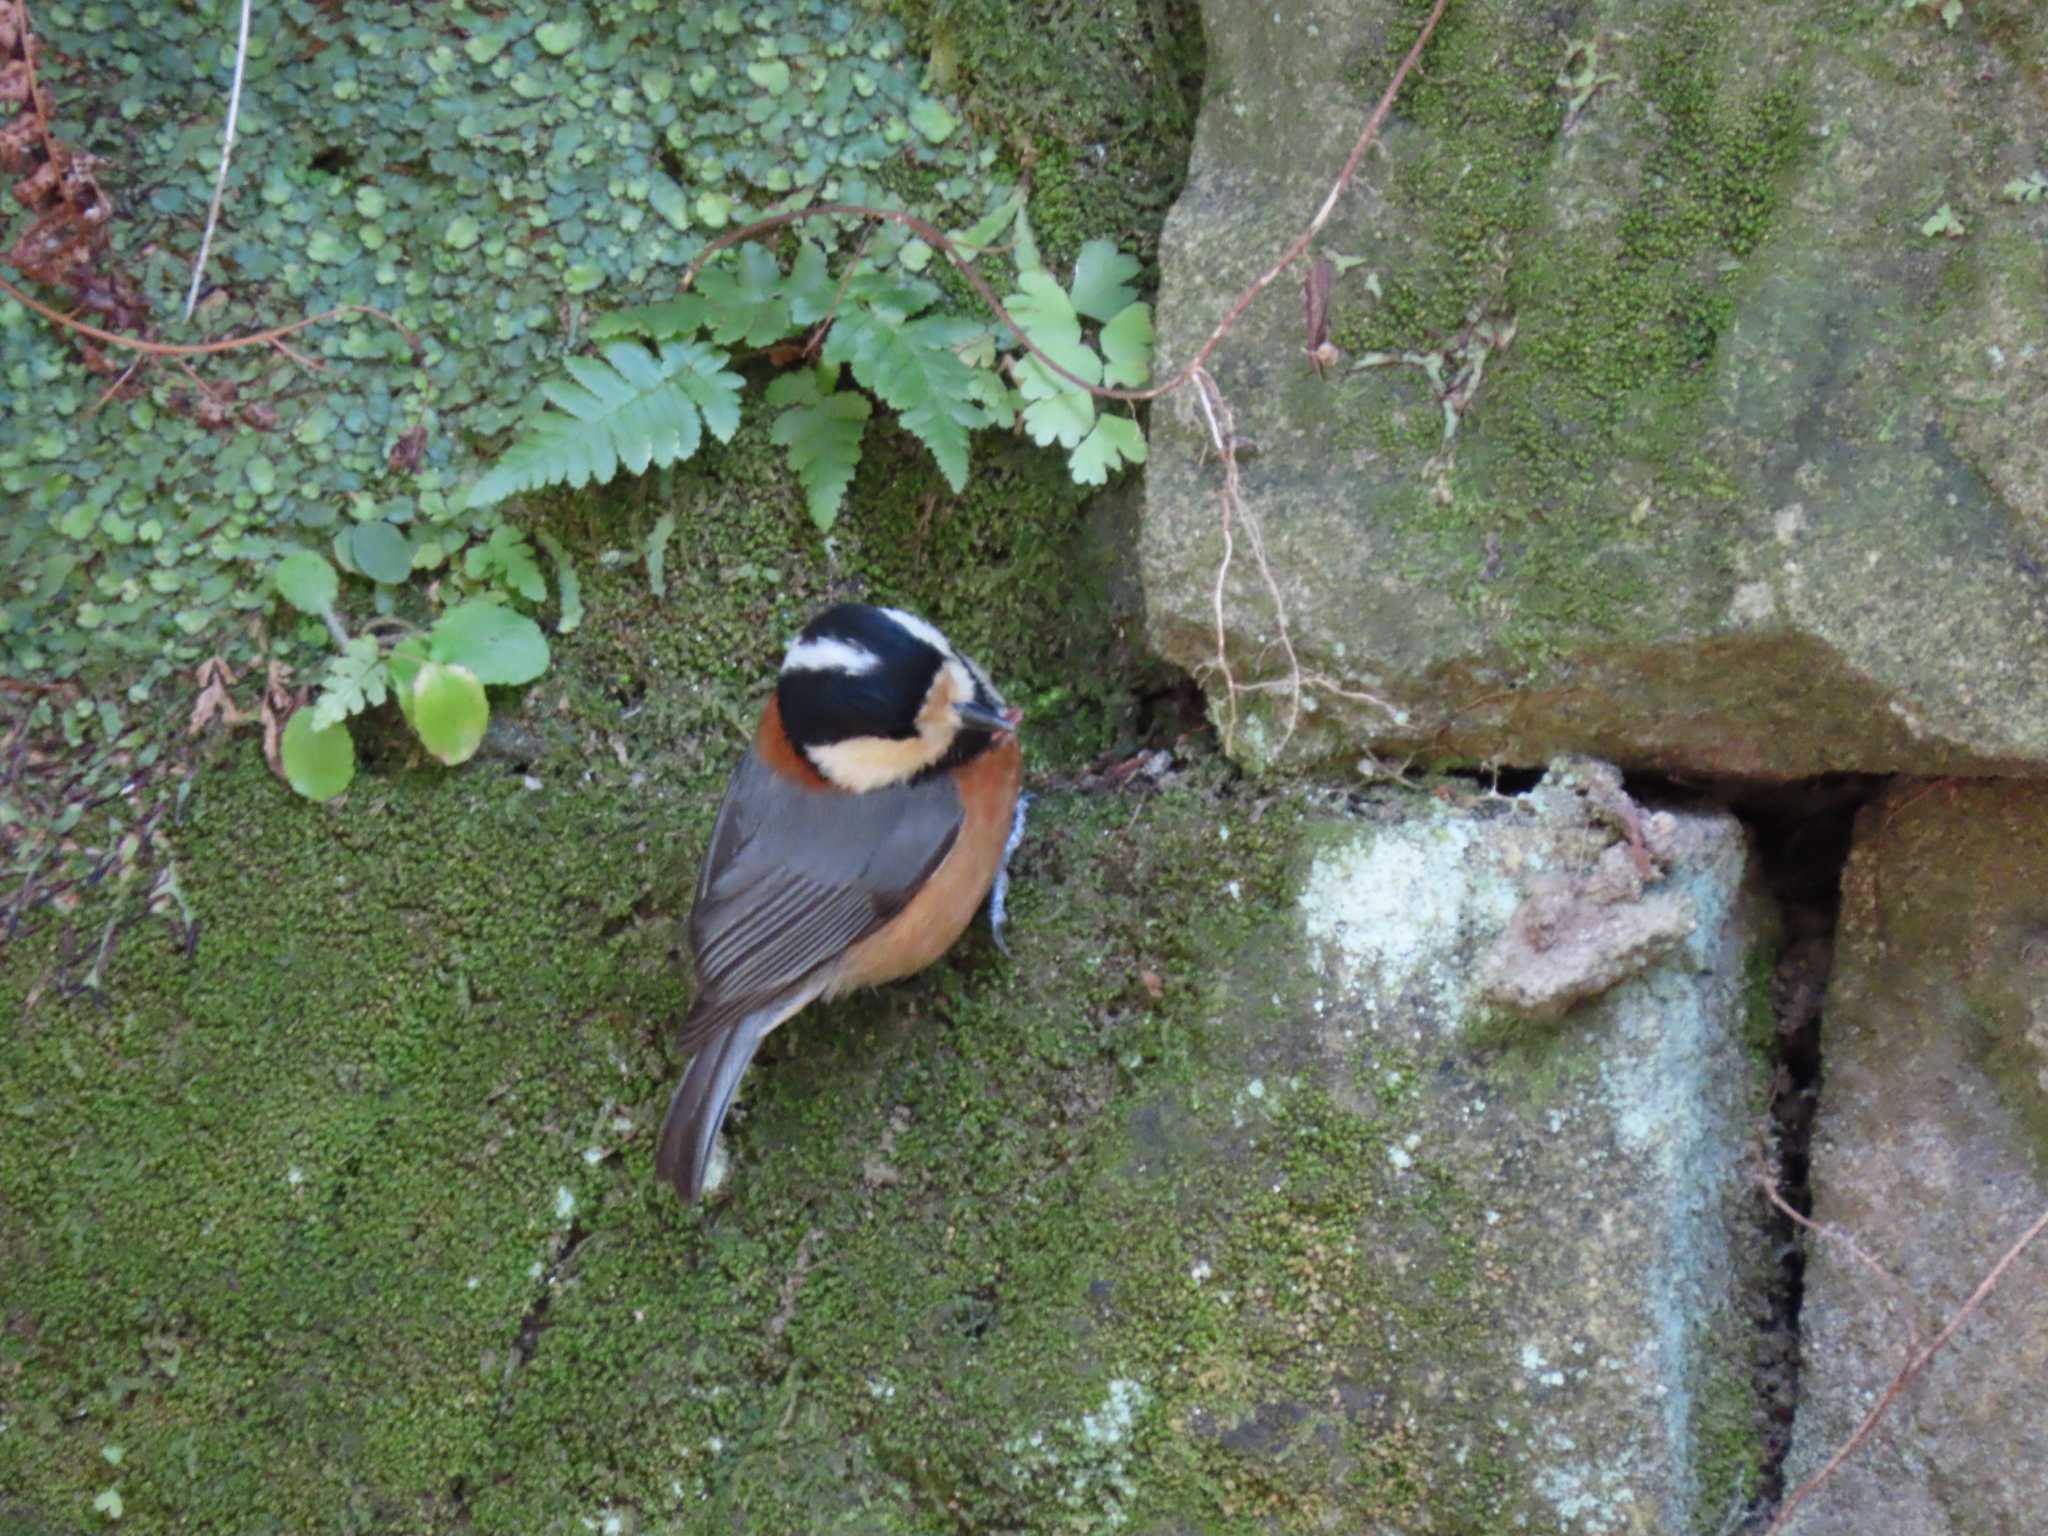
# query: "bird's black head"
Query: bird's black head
{"points": [[877, 696]]}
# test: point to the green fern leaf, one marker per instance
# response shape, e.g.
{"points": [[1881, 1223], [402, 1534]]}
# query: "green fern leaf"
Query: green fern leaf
{"points": [[822, 431], [913, 368], [996, 397], [679, 316], [1102, 277], [970, 243], [713, 390], [1063, 415], [507, 557], [1024, 245], [355, 680], [1115, 441], [1127, 345], [890, 294], [750, 306], [1043, 311], [811, 287], [631, 408], [1056, 410]]}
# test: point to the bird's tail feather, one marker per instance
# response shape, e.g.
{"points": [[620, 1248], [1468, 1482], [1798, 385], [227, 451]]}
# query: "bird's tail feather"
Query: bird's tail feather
{"points": [[698, 1106]]}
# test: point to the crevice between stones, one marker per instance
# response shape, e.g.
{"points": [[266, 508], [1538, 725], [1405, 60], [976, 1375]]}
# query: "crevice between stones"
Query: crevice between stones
{"points": [[1801, 832]]}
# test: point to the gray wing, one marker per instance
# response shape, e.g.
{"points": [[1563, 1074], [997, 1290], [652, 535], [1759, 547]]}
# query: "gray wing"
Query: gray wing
{"points": [[794, 876]]}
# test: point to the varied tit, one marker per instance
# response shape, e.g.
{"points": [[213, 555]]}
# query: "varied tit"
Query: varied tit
{"points": [[856, 839]]}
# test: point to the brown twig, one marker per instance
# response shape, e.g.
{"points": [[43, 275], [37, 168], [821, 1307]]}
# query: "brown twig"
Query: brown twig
{"points": [[1300, 243], [113, 389], [310, 364], [1217, 412], [1912, 1368], [1843, 1239], [200, 348], [201, 385]]}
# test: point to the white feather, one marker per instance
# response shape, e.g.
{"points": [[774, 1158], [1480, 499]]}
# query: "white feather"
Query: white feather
{"points": [[911, 624], [829, 655]]}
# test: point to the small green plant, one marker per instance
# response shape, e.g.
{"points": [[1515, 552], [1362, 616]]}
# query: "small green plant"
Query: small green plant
{"points": [[1943, 221], [2030, 188], [662, 375], [438, 675], [1950, 11]]}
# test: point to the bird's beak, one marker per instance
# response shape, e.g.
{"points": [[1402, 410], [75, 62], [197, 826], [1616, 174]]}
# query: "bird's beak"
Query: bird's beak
{"points": [[982, 718]]}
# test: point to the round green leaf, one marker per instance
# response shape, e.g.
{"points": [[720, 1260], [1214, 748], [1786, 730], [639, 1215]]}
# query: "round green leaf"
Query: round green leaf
{"points": [[449, 711], [490, 640], [381, 552], [317, 764], [558, 37], [931, 119], [772, 75], [307, 582]]}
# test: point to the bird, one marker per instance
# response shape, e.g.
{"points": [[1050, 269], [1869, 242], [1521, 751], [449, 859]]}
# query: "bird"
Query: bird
{"points": [[857, 837]]}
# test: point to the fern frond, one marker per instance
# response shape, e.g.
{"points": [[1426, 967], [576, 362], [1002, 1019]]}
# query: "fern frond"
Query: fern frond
{"points": [[1115, 442], [822, 431], [679, 316], [1127, 348], [913, 367], [630, 408], [508, 558], [355, 681], [1056, 411], [1102, 276], [750, 306]]}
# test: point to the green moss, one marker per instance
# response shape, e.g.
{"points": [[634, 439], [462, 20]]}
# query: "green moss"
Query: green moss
{"points": [[1573, 481], [1094, 104], [280, 1202], [322, 1164], [1759, 1011], [1728, 1447]]}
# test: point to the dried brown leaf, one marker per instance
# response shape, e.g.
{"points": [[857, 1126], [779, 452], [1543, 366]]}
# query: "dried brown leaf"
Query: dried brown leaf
{"points": [[278, 703], [215, 678], [1315, 304], [407, 452]]}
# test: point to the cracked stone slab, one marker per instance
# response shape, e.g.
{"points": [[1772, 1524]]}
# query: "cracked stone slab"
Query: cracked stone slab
{"points": [[1598, 1159]]}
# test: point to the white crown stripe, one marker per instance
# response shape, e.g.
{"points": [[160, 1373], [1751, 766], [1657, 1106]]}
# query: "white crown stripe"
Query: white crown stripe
{"points": [[911, 624], [829, 655]]}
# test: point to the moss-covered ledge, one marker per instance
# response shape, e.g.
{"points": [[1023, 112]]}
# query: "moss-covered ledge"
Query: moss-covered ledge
{"points": [[346, 1220]]}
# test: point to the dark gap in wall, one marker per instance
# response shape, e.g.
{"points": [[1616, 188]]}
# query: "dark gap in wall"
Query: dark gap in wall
{"points": [[1801, 832]]}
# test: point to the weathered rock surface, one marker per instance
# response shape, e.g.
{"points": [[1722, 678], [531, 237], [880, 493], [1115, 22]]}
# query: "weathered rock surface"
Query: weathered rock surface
{"points": [[1748, 470], [1930, 1148], [1556, 1250]]}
